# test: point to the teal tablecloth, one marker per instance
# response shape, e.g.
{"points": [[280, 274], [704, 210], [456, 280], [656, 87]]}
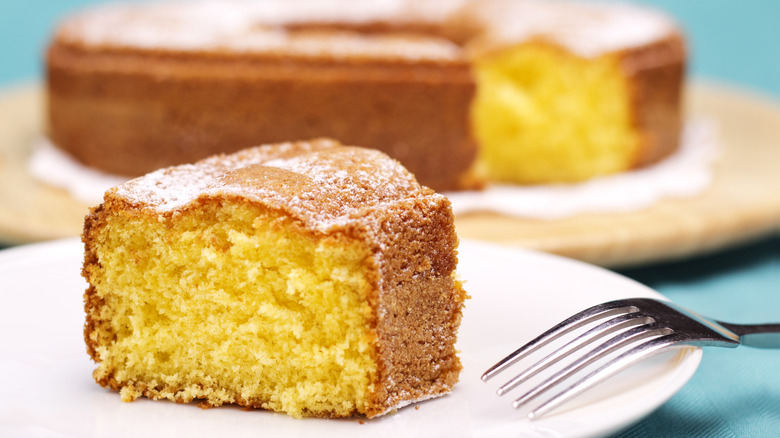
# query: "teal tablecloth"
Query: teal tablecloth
{"points": [[735, 393]]}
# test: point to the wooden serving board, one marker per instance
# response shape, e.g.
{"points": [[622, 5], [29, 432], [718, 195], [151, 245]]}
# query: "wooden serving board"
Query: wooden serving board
{"points": [[743, 203], [30, 211]]}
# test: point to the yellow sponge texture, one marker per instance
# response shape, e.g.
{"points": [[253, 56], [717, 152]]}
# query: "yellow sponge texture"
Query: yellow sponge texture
{"points": [[544, 115], [272, 317]]}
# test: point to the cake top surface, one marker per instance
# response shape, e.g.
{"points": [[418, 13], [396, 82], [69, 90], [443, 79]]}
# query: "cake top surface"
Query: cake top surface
{"points": [[320, 182], [586, 28], [268, 27], [421, 29]]}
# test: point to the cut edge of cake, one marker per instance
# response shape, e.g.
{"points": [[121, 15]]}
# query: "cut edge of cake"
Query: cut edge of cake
{"points": [[409, 255]]}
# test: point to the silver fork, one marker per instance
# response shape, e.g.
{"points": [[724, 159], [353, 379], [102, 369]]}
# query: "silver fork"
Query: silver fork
{"points": [[637, 329]]}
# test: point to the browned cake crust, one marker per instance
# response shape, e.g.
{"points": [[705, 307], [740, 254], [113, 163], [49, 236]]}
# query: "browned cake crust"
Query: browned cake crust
{"points": [[657, 73], [129, 110], [361, 195]]}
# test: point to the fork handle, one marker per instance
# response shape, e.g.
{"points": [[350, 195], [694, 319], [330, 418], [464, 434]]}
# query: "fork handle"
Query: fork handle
{"points": [[756, 335]]}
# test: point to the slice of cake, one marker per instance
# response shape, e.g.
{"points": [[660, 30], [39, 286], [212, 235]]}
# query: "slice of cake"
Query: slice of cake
{"points": [[307, 278]]}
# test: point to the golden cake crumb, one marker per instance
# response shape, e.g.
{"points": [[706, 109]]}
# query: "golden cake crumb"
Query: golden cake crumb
{"points": [[309, 278]]}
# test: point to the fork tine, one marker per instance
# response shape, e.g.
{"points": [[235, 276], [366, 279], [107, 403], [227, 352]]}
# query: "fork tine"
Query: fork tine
{"points": [[596, 333], [574, 322], [613, 344], [625, 360]]}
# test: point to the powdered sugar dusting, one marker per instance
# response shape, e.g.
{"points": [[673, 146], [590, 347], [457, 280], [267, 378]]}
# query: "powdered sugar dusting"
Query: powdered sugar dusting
{"points": [[586, 28], [319, 182], [251, 26]]}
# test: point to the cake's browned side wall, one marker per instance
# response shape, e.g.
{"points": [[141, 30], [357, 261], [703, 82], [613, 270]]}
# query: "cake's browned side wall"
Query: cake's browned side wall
{"points": [[131, 112], [420, 303], [92, 303], [656, 76]]}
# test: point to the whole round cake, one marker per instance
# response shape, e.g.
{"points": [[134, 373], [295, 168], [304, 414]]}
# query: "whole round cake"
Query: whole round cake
{"points": [[460, 91]]}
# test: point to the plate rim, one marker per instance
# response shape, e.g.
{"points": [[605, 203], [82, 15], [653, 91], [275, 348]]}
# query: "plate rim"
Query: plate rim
{"points": [[688, 360]]}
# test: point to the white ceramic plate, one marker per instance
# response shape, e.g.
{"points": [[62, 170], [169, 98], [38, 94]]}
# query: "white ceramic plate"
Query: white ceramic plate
{"points": [[46, 387]]}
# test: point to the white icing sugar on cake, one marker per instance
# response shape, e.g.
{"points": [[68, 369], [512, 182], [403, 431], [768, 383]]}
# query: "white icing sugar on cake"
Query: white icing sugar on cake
{"points": [[585, 28], [250, 27], [322, 184]]}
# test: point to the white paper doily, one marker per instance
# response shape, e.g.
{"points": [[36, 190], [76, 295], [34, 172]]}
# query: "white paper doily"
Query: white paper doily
{"points": [[685, 173]]}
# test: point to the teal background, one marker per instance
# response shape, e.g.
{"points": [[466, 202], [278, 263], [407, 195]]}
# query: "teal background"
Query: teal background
{"points": [[735, 393], [732, 41]]}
